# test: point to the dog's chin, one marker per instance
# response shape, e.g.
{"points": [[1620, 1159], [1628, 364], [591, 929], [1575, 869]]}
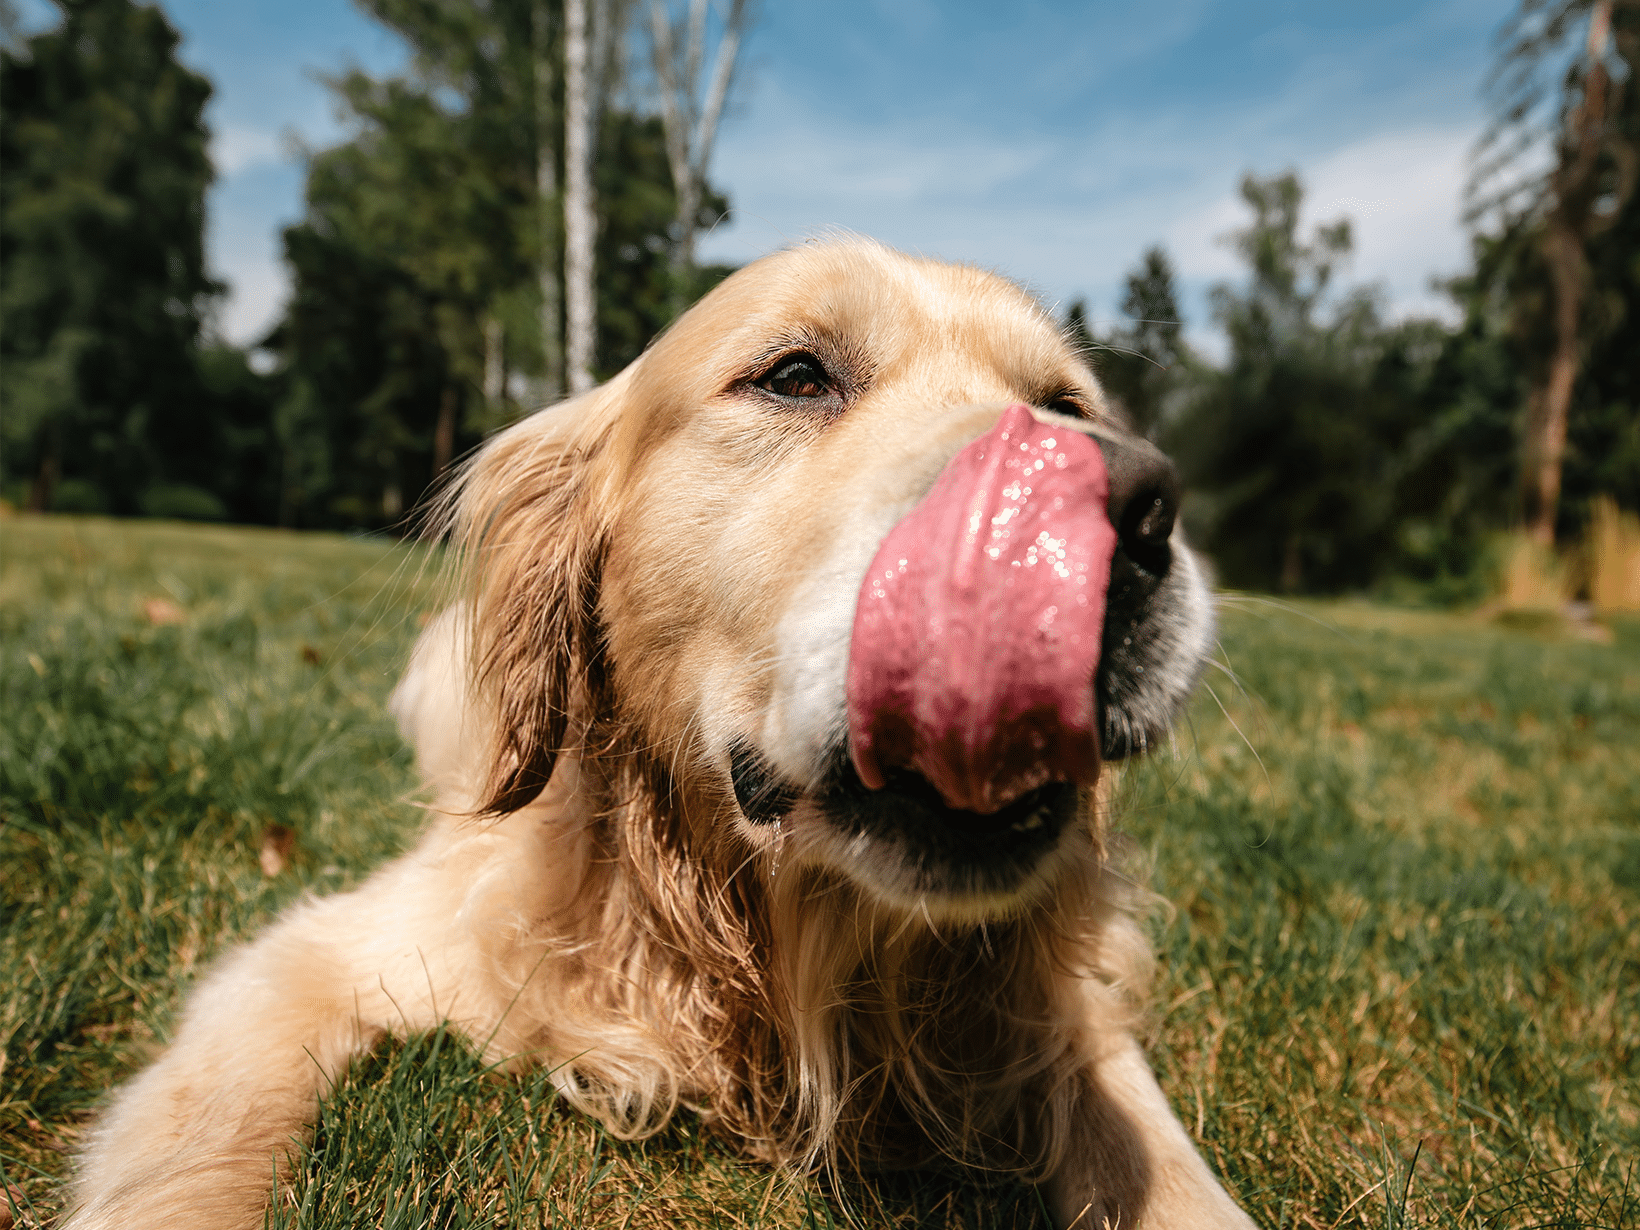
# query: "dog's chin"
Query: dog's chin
{"points": [[903, 845]]}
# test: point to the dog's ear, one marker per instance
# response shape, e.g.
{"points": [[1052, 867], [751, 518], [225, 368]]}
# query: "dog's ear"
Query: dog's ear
{"points": [[528, 520]]}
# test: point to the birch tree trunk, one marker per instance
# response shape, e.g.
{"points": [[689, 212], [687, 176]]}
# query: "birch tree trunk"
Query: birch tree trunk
{"points": [[546, 191], [689, 118], [579, 222]]}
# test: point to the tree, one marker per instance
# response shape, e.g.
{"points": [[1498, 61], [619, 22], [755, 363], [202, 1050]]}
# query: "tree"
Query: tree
{"points": [[408, 250], [417, 263], [691, 109], [1297, 449], [1564, 211], [589, 58], [547, 214], [636, 209], [1140, 365], [579, 226], [102, 272], [492, 69], [1603, 440]]}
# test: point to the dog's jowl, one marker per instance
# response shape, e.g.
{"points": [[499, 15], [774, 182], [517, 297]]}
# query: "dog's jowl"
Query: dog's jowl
{"points": [[767, 746]]}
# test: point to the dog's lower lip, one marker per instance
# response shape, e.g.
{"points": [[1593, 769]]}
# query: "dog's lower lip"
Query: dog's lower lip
{"points": [[910, 808], [909, 784]]}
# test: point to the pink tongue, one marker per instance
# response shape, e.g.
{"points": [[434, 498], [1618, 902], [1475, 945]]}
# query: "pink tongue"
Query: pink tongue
{"points": [[977, 629]]}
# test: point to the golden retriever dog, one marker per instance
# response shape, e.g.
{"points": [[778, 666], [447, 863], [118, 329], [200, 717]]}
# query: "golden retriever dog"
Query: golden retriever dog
{"points": [[764, 739]]}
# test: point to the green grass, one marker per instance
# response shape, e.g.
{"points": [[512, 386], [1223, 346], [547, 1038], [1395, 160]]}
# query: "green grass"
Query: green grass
{"points": [[1400, 987]]}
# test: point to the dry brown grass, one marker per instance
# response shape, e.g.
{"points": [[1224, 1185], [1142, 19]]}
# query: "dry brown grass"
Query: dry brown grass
{"points": [[1614, 557]]}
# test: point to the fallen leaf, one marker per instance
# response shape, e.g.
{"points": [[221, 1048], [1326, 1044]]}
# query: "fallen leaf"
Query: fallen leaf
{"points": [[162, 611], [278, 843]]}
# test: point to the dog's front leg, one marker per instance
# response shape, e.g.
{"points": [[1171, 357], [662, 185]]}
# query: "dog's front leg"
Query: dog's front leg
{"points": [[1130, 1164], [195, 1140]]}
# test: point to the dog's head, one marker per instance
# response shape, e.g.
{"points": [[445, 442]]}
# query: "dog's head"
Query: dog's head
{"points": [[857, 557]]}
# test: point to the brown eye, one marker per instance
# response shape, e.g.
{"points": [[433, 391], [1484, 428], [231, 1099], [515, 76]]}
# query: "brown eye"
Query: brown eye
{"points": [[798, 375], [1064, 403]]}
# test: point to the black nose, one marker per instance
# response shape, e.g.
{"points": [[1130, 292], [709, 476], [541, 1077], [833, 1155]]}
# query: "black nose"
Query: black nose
{"points": [[1144, 499]]}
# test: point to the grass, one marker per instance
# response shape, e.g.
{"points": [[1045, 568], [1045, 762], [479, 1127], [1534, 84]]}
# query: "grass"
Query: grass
{"points": [[1400, 986]]}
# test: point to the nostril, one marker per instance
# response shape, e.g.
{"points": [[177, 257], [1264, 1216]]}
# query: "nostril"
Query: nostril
{"points": [[1144, 498], [1149, 519]]}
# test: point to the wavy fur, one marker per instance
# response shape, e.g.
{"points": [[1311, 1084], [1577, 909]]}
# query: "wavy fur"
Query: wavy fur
{"points": [[651, 575]]}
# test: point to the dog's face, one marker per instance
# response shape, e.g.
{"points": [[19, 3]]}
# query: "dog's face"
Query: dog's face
{"points": [[736, 484]]}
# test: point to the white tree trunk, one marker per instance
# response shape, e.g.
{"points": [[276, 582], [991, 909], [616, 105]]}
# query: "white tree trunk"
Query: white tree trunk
{"points": [[690, 119], [546, 191], [579, 222]]}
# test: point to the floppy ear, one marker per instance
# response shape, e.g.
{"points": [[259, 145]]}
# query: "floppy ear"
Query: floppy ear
{"points": [[528, 520]]}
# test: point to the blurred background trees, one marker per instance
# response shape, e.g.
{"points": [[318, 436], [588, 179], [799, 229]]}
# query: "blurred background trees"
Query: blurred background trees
{"points": [[533, 157], [428, 271], [1297, 442], [1333, 450], [1143, 364], [1551, 220], [102, 209]]}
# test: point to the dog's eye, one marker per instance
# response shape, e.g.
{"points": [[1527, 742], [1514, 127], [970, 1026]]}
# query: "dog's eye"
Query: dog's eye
{"points": [[798, 375], [1064, 403]]}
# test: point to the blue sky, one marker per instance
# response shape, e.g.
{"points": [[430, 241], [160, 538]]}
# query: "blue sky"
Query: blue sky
{"points": [[1050, 139]]}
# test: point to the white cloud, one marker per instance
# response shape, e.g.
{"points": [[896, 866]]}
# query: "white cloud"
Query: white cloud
{"points": [[1410, 228], [1069, 214], [1197, 239], [260, 286], [246, 252], [792, 173], [1401, 191], [235, 148]]}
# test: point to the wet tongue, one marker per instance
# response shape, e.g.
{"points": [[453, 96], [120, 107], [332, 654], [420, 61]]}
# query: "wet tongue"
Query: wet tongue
{"points": [[977, 628]]}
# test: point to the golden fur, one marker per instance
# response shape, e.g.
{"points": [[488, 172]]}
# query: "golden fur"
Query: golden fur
{"points": [[646, 581]]}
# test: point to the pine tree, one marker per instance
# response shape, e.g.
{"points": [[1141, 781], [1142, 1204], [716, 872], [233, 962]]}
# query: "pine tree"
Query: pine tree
{"points": [[102, 271], [1296, 449]]}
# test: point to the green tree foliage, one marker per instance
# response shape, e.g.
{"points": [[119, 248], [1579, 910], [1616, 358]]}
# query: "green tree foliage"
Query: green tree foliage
{"points": [[1563, 249], [403, 253], [1460, 459], [637, 210], [420, 231], [1336, 450], [1140, 365], [102, 278], [1300, 450]]}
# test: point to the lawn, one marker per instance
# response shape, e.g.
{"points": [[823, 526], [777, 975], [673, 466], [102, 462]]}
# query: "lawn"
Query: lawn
{"points": [[1399, 985]]}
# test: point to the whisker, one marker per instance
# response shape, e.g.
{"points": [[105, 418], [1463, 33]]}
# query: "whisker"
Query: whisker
{"points": [[1267, 779], [1236, 599]]}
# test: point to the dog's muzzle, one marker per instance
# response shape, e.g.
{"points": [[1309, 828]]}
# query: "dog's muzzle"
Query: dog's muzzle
{"points": [[980, 624]]}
